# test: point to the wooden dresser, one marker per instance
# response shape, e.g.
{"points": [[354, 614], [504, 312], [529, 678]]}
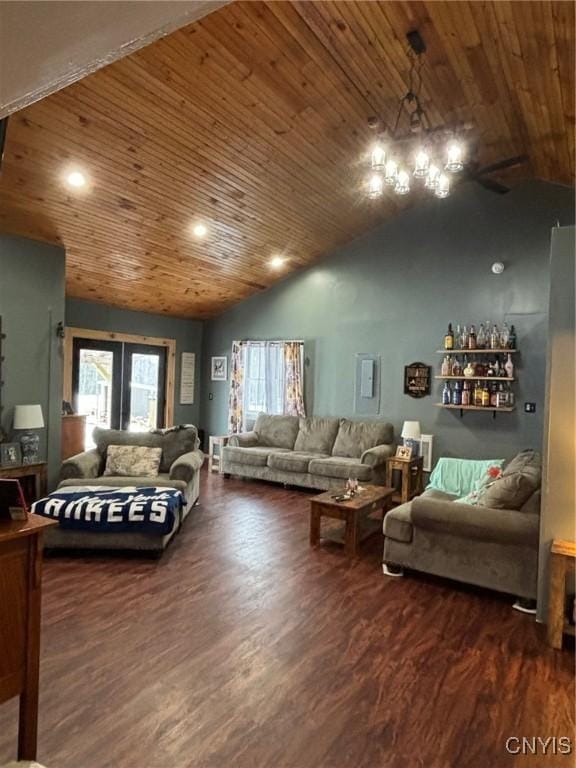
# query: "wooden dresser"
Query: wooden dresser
{"points": [[20, 586], [73, 427]]}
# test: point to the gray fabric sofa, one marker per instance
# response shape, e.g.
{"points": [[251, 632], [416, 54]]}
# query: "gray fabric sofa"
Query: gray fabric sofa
{"points": [[489, 547], [179, 468], [313, 452]]}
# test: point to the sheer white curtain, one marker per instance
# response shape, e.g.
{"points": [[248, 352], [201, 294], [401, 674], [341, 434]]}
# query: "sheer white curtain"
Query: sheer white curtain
{"points": [[272, 380]]}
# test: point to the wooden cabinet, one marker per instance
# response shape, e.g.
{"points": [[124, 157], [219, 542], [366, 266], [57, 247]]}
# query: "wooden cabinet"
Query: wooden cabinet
{"points": [[73, 429], [20, 581]]}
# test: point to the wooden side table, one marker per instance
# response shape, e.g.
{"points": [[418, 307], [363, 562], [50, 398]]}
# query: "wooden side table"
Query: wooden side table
{"points": [[215, 459], [21, 569], [412, 477], [562, 564], [32, 479]]}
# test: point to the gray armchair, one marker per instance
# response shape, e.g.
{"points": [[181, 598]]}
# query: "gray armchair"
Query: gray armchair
{"points": [[179, 467]]}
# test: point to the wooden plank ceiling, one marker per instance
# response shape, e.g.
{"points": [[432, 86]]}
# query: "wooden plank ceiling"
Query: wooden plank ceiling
{"points": [[253, 121]]}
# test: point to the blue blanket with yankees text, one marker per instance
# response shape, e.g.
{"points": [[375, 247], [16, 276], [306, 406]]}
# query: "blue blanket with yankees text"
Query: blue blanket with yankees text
{"points": [[137, 510]]}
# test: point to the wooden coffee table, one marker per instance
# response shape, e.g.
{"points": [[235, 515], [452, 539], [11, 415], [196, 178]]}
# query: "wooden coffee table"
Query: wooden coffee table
{"points": [[355, 513]]}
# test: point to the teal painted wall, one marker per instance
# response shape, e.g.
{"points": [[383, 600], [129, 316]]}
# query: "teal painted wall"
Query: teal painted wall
{"points": [[31, 304], [187, 333], [393, 291]]}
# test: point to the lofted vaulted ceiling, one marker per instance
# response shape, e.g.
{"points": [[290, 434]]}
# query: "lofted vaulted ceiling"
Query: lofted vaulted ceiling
{"points": [[253, 121]]}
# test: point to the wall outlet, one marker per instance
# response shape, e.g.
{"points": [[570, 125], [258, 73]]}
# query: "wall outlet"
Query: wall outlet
{"points": [[210, 396], [529, 407]]}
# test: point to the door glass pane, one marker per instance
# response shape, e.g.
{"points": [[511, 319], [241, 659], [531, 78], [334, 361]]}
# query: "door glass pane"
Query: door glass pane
{"points": [[95, 390], [144, 392]]}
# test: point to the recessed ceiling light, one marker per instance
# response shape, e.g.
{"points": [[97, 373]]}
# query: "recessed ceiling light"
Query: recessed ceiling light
{"points": [[199, 230], [276, 262], [76, 179]]}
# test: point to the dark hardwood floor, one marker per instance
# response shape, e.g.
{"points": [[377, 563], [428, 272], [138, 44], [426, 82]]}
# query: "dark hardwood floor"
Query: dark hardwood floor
{"points": [[244, 648]]}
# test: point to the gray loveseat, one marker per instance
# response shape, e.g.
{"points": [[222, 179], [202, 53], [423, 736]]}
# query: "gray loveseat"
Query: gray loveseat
{"points": [[490, 546], [179, 468], [313, 452]]}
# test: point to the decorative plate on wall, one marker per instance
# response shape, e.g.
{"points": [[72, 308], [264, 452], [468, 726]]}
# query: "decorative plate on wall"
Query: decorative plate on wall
{"points": [[417, 379]]}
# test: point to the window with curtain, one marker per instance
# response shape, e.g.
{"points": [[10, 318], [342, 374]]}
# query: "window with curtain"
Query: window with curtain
{"points": [[266, 377]]}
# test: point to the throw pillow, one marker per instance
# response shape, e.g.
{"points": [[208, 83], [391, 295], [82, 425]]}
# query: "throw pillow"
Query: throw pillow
{"points": [[509, 491], [132, 461]]}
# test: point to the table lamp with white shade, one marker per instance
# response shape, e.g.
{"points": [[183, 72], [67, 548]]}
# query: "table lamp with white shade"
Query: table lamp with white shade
{"points": [[411, 436], [28, 418]]}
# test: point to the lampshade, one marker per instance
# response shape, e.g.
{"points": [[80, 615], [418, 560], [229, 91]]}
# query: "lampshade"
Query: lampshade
{"points": [[28, 417], [411, 430]]}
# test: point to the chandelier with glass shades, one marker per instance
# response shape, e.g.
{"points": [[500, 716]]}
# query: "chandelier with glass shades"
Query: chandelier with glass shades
{"points": [[425, 156]]}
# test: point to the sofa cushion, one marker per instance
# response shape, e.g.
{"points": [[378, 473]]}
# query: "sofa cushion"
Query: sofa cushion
{"points": [[255, 457], [316, 434], [276, 431], [292, 461], [132, 460], [509, 491], [340, 467], [174, 442], [398, 523], [519, 481], [355, 437], [528, 461]]}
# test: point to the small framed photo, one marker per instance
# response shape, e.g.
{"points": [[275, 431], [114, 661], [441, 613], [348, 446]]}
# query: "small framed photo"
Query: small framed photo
{"points": [[404, 452], [219, 369], [10, 454]]}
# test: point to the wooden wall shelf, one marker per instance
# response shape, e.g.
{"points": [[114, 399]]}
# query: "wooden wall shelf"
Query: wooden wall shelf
{"points": [[476, 378], [476, 351], [488, 408]]}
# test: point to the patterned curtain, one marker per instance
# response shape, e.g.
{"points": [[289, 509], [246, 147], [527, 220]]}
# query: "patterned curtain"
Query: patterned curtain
{"points": [[293, 367], [235, 402]]}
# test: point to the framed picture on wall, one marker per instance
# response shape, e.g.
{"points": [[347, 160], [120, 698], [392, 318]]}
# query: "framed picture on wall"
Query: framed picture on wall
{"points": [[219, 369], [10, 454]]}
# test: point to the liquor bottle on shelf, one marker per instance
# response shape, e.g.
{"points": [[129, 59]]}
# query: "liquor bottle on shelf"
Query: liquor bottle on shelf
{"points": [[485, 396], [498, 370], [495, 337], [509, 366], [446, 394], [446, 366], [471, 338], [504, 336], [456, 367], [449, 338], [501, 397], [464, 338], [466, 393], [477, 394], [457, 337], [512, 338], [481, 338], [468, 368], [457, 394], [490, 369], [493, 395], [510, 396]]}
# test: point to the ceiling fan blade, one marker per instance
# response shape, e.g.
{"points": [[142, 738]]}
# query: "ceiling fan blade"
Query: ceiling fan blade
{"points": [[490, 184], [510, 162]]}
